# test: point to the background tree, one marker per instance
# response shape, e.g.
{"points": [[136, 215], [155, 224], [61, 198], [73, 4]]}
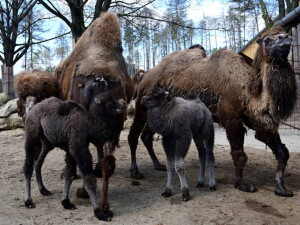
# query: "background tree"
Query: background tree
{"points": [[76, 9], [12, 13], [62, 43]]}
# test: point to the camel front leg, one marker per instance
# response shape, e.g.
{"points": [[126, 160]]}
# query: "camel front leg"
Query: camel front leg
{"points": [[235, 132], [272, 139], [108, 168]]}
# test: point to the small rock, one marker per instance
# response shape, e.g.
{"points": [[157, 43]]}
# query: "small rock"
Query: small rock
{"points": [[3, 98], [13, 121], [9, 108]]}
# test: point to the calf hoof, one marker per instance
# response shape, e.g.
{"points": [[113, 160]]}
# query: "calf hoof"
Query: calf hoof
{"points": [[75, 177], [101, 215], [81, 193], [167, 193], [212, 188], [160, 167], [67, 204], [200, 185], [98, 170], [245, 186], [186, 195], [29, 204], [45, 192], [135, 174], [283, 192]]}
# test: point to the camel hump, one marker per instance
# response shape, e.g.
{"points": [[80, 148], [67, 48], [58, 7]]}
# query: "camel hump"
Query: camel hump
{"points": [[105, 31], [35, 83]]}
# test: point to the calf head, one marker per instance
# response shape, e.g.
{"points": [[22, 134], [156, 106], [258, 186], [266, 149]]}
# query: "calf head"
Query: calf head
{"points": [[107, 103], [156, 97]]}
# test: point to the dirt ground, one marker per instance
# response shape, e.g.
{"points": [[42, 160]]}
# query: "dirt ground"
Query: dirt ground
{"points": [[143, 204]]}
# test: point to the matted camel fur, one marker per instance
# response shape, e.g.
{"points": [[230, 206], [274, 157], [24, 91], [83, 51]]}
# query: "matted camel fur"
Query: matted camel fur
{"points": [[238, 95]]}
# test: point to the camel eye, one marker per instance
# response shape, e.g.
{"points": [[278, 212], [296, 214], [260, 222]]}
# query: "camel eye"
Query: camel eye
{"points": [[267, 40]]}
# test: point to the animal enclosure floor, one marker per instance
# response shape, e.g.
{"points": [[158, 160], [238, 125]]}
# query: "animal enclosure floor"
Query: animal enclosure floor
{"points": [[143, 204]]}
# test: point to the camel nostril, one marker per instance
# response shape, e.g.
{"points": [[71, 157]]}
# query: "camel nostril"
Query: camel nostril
{"points": [[283, 36]]}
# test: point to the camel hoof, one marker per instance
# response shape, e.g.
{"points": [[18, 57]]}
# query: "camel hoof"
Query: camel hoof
{"points": [[135, 174], [45, 192], [167, 193], [105, 208], [160, 167], [29, 204], [101, 215], [67, 204], [81, 193], [283, 192], [200, 185], [186, 194], [245, 186], [213, 188], [98, 170]]}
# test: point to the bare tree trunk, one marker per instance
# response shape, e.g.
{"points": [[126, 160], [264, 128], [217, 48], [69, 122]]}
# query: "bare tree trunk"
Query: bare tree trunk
{"points": [[7, 80], [281, 9]]}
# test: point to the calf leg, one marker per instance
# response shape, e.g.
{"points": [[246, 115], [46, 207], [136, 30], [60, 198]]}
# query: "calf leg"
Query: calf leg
{"points": [[147, 138], [169, 145], [182, 147], [32, 149], [209, 145], [68, 176], [38, 166], [202, 157], [98, 170], [84, 161], [272, 139], [235, 133]]}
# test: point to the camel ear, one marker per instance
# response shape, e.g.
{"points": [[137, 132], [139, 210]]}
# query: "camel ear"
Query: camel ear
{"points": [[98, 100], [258, 40]]}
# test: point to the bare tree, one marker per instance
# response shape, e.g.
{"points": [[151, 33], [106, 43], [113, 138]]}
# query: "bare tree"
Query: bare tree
{"points": [[77, 22], [12, 13]]}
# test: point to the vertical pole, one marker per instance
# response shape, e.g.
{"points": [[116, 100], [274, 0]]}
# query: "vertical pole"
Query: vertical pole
{"points": [[7, 80]]}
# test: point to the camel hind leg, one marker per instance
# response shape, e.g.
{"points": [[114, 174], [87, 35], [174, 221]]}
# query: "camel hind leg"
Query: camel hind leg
{"points": [[32, 149], [46, 147], [272, 139], [83, 158], [147, 138], [202, 157], [182, 146], [169, 144]]}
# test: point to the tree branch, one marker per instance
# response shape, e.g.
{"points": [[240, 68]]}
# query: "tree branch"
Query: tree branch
{"points": [[170, 22], [25, 12], [55, 12], [39, 42]]}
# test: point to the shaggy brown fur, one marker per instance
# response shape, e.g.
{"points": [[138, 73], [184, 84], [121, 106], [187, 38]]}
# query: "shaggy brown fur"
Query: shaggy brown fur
{"points": [[98, 55], [35, 83], [236, 93], [138, 76]]}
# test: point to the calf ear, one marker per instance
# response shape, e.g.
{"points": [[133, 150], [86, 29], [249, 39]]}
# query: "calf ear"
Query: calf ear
{"points": [[98, 99]]}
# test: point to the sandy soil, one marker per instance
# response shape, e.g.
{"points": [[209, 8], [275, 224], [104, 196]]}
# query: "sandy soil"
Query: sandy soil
{"points": [[143, 204]]}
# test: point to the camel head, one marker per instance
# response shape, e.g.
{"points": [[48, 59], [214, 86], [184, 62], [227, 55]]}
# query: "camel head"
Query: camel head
{"points": [[274, 45], [156, 97]]}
